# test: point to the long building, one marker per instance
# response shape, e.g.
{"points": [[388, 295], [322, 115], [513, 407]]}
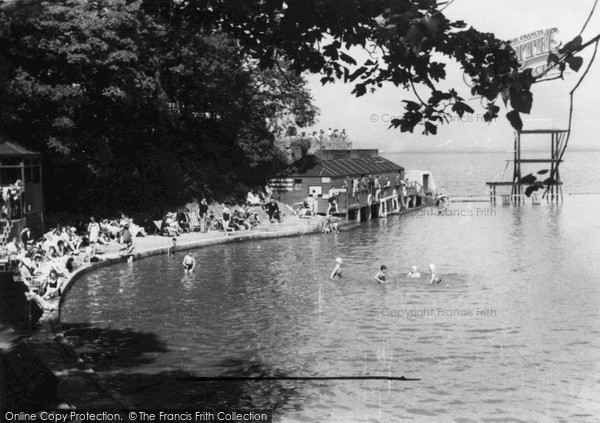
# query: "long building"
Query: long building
{"points": [[317, 175]]}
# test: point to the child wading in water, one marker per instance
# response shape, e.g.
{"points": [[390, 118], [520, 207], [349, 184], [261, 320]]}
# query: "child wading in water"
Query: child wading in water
{"points": [[172, 247], [414, 273], [434, 276], [189, 264], [337, 270], [380, 276]]}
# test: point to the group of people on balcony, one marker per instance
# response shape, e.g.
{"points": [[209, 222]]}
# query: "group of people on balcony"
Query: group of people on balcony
{"points": [[375, 186]]}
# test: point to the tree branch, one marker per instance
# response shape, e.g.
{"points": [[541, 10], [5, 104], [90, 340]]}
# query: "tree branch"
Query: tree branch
{"points": [[416, 93], [571, 96], [589, 17], [562, 59]]}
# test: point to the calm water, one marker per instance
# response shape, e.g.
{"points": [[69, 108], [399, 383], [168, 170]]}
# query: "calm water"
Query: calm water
{"points": [[466, 174], [511, 334]]}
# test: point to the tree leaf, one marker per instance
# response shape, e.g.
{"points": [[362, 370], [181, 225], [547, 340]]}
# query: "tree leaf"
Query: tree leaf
{"points": [[347, 59], [430, 128], [359, 90], [515, 120], [437, 71], [528, 179], [411, 105], [574, 62], [552, 58], [460, 108], [531, 189], [358, 72], [572, 45], [521, 100]]}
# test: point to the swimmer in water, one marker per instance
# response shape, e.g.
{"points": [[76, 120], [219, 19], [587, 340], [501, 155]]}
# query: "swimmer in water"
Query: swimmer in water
{"points": [[434, 276], [337, 270], [189, 263], [172, 247], [380, 276], [414, 273]]}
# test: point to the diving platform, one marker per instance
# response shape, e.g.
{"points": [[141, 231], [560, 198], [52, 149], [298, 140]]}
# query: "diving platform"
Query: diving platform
{"points": [[527, 186]]}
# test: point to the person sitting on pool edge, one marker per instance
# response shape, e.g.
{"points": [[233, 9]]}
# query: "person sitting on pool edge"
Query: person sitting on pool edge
{"points": [[51, 286], [414, 273], [380, 276], [189, 263], [434, 276]]}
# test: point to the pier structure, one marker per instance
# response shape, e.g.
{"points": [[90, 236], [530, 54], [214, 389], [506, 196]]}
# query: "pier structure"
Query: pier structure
{"points": [[520, 184], [315, 177]]}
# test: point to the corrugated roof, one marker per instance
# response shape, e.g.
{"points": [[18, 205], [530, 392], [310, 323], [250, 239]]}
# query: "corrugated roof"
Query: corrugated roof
{"points": [[8, 148], [344, 166]]}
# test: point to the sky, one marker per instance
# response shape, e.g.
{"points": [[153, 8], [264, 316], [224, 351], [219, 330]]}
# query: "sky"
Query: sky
{"points": [[366, 119]]}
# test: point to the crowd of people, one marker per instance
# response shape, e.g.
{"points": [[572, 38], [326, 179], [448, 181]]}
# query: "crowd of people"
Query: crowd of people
{"points": [[332, 139], [225, 217], [44, 262]]}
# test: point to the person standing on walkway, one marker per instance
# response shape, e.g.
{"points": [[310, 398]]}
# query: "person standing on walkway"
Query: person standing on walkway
{"points": [[371, 184], [403, 195], [377, 187], [126, 241], [333, 202], [203, 214], [93, 230], [226, 217], [315, 201]]}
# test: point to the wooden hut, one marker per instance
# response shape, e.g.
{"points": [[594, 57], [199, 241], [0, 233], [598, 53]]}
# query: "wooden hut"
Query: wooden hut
{"points": [[318, 174]]}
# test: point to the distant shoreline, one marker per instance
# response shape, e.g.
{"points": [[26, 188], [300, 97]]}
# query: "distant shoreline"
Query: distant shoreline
{"points": [[573, 150]]}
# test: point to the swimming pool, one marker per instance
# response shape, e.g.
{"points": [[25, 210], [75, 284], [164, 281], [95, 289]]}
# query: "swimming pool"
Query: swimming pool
{"points": [[512, 332]]}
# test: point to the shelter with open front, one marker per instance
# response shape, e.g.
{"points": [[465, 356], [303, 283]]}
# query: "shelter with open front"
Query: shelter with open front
{"points": [[21, 185]]}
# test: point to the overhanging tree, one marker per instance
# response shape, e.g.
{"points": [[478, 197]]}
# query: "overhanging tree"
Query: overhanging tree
{"points": [[408, 35]]}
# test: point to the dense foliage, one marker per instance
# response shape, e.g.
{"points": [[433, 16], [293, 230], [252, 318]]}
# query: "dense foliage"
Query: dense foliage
{"points": [[133, 111]]}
